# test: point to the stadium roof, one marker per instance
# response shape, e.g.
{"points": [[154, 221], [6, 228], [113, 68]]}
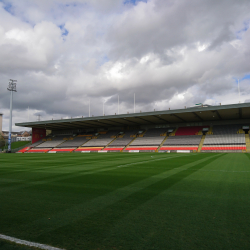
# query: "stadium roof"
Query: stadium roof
{"points": [[193, 114]]}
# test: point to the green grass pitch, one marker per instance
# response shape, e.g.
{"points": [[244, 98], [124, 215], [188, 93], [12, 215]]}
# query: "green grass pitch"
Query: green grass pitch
{"points": [[126, 200]]}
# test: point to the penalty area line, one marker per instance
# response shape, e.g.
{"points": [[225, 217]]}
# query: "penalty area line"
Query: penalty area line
{"points": [[28, 243]]}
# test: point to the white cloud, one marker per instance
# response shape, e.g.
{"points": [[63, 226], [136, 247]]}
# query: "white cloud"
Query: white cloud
{"points": [[170, 53]]}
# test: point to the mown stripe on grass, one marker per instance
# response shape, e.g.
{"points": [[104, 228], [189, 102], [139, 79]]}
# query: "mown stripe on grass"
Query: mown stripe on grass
{"points": [[145, 229], [103, 218], [88, 208], [28, 243], [107, 219], [86, 171]]}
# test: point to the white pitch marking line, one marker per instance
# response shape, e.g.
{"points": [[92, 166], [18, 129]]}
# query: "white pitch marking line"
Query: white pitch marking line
{"points": [[135, 163], [217, 170], [28, 243], [227, 171]]}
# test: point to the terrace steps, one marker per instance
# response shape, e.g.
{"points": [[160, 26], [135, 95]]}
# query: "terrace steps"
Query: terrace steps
{"points": [[201, 143], [162, 143], [247, 143], [109, 143], [85, 142], [173, 133], [129, 144]]}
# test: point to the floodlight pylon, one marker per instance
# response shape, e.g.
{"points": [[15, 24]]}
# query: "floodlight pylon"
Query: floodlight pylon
{"points": [[11, 88]]}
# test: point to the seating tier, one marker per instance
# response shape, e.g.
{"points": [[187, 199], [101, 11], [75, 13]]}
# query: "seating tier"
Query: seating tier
{"points": [[179, 148], [148, 141], [225, 139], [189, 130], [154, 132], [50, 144], [141, 148], [183, 140], [76, 142], [226, 129]]}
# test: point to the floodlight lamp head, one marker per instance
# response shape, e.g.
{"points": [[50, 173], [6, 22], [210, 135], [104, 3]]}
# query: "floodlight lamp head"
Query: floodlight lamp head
{"points": [[12, 85]]}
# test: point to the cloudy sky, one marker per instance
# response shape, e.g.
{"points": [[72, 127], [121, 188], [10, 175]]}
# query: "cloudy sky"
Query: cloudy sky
{"points": [[170, 53]]}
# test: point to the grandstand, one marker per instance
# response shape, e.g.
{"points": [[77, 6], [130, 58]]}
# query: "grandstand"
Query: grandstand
{"points": [[225, 137], [223, 128], [123, 139], [149, 141]]}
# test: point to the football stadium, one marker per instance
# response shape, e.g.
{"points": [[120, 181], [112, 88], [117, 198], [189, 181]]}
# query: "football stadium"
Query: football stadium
{"points": [[202, 128], [174, 179], [124, 125]]}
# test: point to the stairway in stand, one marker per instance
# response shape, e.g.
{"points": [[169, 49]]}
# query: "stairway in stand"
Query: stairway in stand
{"points": [[247, 143], [201, 143], [162, 143]]}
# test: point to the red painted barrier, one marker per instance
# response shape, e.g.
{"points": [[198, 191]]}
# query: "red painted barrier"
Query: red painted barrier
{"points": [[62, 150], [111, 149], [37, 150], [23, 150], [88, 149]]}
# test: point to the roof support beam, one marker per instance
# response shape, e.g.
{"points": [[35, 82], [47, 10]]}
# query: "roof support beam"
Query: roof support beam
{"points": [[117, 123], [86, 124], [130, 121], [240, 113], [50, 126], [144, 120], [217, 113], [178, 117], [58, 125], [198, 116], [160, 118], [103, 123]]}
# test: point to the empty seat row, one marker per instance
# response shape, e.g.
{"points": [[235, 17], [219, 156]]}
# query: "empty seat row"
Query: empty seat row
{"points": [[50, 144], [76, 142], [183, 140], [150, 141], [225, 139], [153, 132], [226, 129]]}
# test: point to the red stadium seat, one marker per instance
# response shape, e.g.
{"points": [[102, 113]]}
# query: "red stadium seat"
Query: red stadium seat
{"points": [[189, 130]]}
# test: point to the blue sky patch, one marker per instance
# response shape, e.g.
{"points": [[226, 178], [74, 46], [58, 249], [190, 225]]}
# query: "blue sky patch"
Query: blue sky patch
{"points": [[7, 6], [65, 32], [241, 79], [103, 60], [245, 77], [239, 33], [134, 2]]}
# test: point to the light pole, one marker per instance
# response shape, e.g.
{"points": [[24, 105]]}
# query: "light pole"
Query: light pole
{"points": [[134, 102], [118, 105], [89, 107], [239, 89], [11, 88]]}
